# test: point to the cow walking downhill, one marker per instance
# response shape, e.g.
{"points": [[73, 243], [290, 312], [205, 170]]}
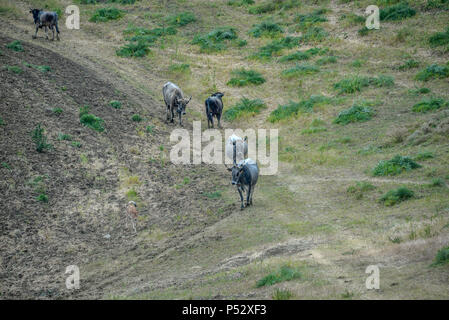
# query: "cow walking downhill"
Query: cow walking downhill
{"points": [[174, 100], [45, 19], [214, 107]]}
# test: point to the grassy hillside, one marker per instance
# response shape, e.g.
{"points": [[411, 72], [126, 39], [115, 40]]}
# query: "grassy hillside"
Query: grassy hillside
{"points": [[363, 117]]}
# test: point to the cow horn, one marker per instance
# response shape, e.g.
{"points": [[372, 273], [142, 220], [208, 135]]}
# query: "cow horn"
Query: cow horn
{"points": [[228, 168], [234, 153]]}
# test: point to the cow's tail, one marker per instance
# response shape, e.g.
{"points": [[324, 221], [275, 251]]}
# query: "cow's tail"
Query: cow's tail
{"points": [[207, 108]]}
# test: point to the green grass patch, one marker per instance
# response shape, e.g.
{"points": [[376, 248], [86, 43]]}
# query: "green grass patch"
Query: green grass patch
{"points": [[395, 166], [115, 104], [216, 39], [305, 21], [430, 104], [409, 64], [245, 107], [356, 83], [300, 70], [425, 155], [397, 12], [90, 120], [240, 3], [213, 195], [285, 273], [293, 108], [317, 125], [281, 294], [134, 49], [40, 139], [275, 46], [179, 68], [326, 60], [14, 69], [434, 71], [296, 56], [270, 6], [442, 257], [106, 14], [439, 39], [64, 137], [243, 77], [136, 118], [359, 189], [181, 19], [16, 45], [266, 28], [356, 113], [395, 196]]}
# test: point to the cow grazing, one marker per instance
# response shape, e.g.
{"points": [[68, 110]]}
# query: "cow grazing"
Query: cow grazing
{"points": [[214, 107], [131, 214], [44, 19], [244, 176], [174, 99], [241, 148]]}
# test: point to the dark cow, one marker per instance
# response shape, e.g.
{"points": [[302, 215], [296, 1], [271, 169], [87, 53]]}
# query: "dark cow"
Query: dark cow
{"points": [[244, 176], [44, 19], [214, 107], [174, 99]]}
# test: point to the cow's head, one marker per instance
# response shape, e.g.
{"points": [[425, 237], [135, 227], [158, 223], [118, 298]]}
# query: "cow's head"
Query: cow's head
{"points": [[218, 95], [236, 171], [35, 13], [181, 104]]}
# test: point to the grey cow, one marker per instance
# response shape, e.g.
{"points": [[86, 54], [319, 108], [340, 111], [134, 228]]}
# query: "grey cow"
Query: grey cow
{"points": [[44, 19], [174, 100]]}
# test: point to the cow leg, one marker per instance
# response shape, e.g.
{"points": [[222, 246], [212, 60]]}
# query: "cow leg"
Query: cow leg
{"points": [[35, 34], [53, 31], [218, 119], [251, 197], [172, 116], [241, 198], [180, 119], [212, 121], [248, 195], [46, 33]]}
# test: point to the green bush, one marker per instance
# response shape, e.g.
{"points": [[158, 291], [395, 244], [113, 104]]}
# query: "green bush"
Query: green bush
{"points": [[136, 118], [300, 70], [356, 83], [409, 64], [15, 69], [243, 77], [15, 45], [214, 40], [429, 104], [181, 19], [90, 120], [42, 198], [314, 34], [285, 273], [293, 108], [296, 56], [115, 104], [395, 196], [360, 188], [134, 49], [305, 21], [244, 107], [39, 138], [267, 51], [433, 71], [106, 14], [395, 166], [266, 28], [357, 113], [439, 38], [64, 137], [326, 60], [239, 3], [397, 12], [442, 257]]}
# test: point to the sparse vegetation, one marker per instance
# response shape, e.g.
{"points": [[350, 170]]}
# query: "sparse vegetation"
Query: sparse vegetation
{"points": [[305, 21], [439, 39], [433, 71], [40, 139], [216, 39], [181, 19], [285, 273], [15, 69], [398, 11], [106, 14], [357, 113], [395, 196], [136, 118], [16, 45], [244, 77], [429, 104], [442, 257], [356, 83], [360, 188], [281, 294], [266, 28], [300, 70], [293, 108], [115, 104], [395, 166], [245, 107], [90, 120]]}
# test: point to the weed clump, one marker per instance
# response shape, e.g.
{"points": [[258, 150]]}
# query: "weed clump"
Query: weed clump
{"points": [[243, 77], [395, 196], [396, 12], [305, 21], [360, 188], [442, 257], [181, 19], [134, 49], [439, 38], [395, 166], [433, 71], [40, 139], [106, 14], [429, 104], [115, 104], [356, 83], [357, 113], [215, 40], [293, 108], [266, 28], [285, 273], [274, 47], [245, 107], [90, 120], [15, 46], [300, 70]]}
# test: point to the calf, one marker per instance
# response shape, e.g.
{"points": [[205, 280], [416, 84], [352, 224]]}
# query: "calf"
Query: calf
{"points": [[244, 176], [214, 107], [174, 99], [45, 19]]}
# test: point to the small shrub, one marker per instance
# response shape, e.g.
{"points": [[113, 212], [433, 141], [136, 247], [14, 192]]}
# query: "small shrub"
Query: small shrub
{"points": [[395, 166], [437, 182], [115, 104], [326, 60], [267, 51], [42, 198], [299, 55], [244, 107], [395, 196], [149, 129], [214, 40], [397, 12], [356, 83], [90, 120], [433, 71], [181, 19], [439, 39], [293, 108], [64, 137], [243, 77], [266, 28], [76, 144], [442, 257], [58, 111], [409, 64], [305, 21], [357, 113], [106, 14], [285, 273], [15, 46], [280, 294], [179, 68], [134, 49], [429, 104], [15, 69], [300, 70], [136, 118], [424, 156], [39, 138]]}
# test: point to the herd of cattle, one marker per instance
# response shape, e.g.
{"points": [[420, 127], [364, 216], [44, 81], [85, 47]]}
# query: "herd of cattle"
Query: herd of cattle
{"points": [[245, 171]]}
